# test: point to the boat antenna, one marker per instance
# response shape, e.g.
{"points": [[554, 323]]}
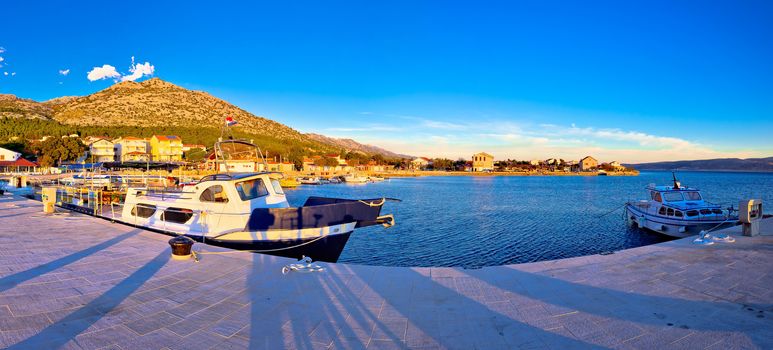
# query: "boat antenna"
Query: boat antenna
{"points": [[677, 185]]}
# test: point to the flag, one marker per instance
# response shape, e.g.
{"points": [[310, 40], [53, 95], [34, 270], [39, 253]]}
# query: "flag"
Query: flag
{"points": [[229, 121]]}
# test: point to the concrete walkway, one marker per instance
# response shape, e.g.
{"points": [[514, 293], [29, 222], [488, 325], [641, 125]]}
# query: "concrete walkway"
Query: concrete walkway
{"points": [[72, 281]]}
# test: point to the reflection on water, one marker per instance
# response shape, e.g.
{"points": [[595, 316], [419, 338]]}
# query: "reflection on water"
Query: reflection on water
{"points": [[482, 221]]}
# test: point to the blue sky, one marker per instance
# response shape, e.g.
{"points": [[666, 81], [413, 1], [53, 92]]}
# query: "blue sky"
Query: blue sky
{"points": [[629, 81]]}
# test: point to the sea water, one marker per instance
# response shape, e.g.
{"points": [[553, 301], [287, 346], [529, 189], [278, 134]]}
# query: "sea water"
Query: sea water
{"points": [[474, 221]]}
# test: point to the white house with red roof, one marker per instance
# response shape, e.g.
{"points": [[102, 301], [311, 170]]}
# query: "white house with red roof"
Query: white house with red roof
{"points": [[11, 161]]}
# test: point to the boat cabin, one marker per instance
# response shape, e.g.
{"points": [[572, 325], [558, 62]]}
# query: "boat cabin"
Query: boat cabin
{"points": [[212, 204], [682, 203]]}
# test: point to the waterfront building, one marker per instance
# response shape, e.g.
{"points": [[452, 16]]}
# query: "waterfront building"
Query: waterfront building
{"points": [[312, 165], [166, 148], [616, 165], [482, 162], [372, 167], [233, 165], [421, 163], [11, 161], [101, 150], [588, 164], [283, 167], [131, 149], [535, 162]]}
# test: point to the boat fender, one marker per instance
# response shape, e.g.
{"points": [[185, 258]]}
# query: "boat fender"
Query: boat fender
{"points": [[682, 229]]}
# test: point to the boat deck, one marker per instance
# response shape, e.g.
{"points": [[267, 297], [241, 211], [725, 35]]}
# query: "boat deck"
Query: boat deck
{"points": [[73, 281]]}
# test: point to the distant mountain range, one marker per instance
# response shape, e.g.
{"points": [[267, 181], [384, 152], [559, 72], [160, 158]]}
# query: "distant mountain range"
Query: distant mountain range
{"points": [[723, 164], [354, 146], [155, 103]]}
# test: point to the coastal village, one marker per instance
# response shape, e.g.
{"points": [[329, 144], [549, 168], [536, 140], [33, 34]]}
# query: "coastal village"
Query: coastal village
{"points": [[170, 152]]}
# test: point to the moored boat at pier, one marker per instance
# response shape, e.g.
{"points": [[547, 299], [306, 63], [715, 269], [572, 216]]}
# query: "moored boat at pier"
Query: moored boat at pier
{"points": [[678, 211]]}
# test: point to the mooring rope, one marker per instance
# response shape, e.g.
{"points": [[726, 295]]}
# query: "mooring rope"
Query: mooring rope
{"points": [[373, 204], [611, 211]]}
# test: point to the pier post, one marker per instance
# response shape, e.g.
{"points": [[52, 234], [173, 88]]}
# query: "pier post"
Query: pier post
{"points": [[750, 215]]}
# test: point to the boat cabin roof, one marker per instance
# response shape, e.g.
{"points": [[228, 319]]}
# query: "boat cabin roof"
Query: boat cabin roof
{"points": [[668, 188], [683, 198], [236, 176]]}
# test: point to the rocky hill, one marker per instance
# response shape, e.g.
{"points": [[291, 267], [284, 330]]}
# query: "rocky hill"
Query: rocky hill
{"points": [[354, 146], [723, 164], [156, 102], [14, 107]]}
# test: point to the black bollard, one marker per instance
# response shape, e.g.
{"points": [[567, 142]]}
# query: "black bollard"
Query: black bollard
{"points": [[181, 247]]}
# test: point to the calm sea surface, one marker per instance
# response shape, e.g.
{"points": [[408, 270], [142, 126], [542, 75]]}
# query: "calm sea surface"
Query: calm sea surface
{"points": [[482, 221]]}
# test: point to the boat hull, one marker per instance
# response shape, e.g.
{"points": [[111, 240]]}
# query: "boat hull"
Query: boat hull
{"points": [[672, 227], [326, 248]]}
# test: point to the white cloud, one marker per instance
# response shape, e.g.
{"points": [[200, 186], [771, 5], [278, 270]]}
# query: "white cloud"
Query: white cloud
{"points": [[5, 73], [105, 72], [2, 59], [64, 71], [14, 73], [2, 49], [138, 71], [632, 136]]}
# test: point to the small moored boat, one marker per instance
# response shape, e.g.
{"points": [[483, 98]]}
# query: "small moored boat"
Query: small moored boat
{"points": [[678, 211], [310, 180], [353, 178]]}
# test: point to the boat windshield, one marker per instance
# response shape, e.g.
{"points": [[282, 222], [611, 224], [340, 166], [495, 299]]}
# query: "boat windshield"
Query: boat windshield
{"points": [[277, 186], [251, 189], [692, 196], [673, 196], [237, 150]]}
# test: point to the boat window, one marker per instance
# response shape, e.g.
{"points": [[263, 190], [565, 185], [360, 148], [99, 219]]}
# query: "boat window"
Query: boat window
{"points": [[692, 212], [670, 212], [177, 215], [716, 211], [673, 196], [678, 214], [705, 211], [656, 196], [662, 211], [214, 194], [251, 189], [143, 210], [692, 196], [277, 186]]}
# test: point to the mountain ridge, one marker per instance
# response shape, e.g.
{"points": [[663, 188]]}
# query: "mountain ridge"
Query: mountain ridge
{"points": [[354, 146], [717, 164]]}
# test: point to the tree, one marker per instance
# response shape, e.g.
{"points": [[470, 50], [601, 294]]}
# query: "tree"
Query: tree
{"points": [[56, 150], [331, 162], [195, 155]]}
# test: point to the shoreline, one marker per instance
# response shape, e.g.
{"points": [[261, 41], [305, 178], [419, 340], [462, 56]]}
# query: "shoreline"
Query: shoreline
{"points": [[500, 173]]}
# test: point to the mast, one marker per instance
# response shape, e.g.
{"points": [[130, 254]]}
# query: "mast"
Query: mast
{"points": [[677, 184]]}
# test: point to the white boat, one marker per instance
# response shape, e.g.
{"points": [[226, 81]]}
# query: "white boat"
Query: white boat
{"points": [[376, 178], [249, 211], [334, 180], [311, 180], [677, 211], [353, 178]]}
